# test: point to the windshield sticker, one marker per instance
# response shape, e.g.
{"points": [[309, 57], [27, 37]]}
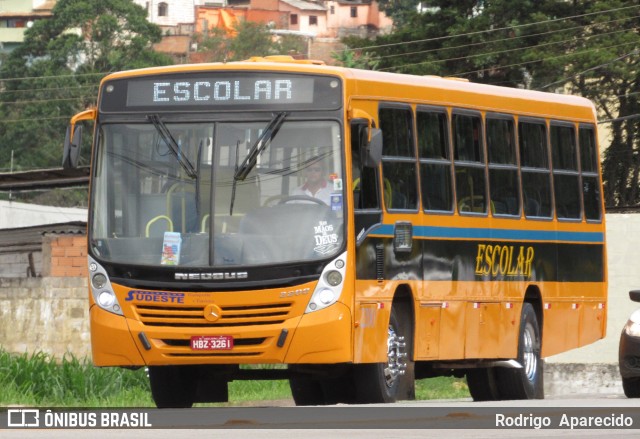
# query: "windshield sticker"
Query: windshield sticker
{"points": [[171, 248], [337, 184], [336, 202], [326, 240]]}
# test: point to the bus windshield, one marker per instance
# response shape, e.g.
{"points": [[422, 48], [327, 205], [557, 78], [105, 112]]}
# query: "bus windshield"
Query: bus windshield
{"points": [[166, 192]]}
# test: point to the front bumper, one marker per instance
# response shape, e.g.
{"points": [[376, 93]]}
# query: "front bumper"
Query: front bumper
{"points": [[323, 336]]}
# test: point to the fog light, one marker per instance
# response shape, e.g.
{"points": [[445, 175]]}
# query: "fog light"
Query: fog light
{"points": [[334, 278], [326, 297], [106, 299], [99, 281]]}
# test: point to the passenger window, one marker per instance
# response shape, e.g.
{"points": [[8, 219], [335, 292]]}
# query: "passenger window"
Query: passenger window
{"points": [[469, 164], [590, 179], [397, 133], [467, 133], [503, 170], [566, 179], [398, 159], [534, 162], [435, 163]]}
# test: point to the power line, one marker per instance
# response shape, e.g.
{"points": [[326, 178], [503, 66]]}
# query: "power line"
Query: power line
{"points": [[633, 52], [35, 101], [438, 61], [70, 75], [493, 30], [507, 39], [545, 59], [31, 90]]}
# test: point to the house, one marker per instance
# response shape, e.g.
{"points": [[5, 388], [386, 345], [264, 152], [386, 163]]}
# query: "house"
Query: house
{"points": [[16, 16], [322, 22], [361, 18]]}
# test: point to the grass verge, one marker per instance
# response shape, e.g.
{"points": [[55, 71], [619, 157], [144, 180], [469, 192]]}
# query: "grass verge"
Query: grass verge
{"points": [[38, 380]]}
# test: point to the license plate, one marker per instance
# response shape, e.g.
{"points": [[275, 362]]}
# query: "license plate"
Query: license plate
{"points": [[211, 342]]}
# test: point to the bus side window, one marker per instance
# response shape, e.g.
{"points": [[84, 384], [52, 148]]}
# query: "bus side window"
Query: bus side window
{"points": [[435, 161], [398, 159], [565, 171], [534, 162], [589, 167], [471, 191], [503, 168]]}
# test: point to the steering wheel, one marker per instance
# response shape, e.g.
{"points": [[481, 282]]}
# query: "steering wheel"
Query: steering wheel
{"points": [[283, 199]]}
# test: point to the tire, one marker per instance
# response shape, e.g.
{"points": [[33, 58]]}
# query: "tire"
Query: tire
{"points": [[631, 387], [527, 382], [482, 384], [306, 390], [172, 386], [394, 380]]}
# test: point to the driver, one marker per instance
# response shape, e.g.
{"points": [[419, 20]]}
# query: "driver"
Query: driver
{"points": [[315, 184]]}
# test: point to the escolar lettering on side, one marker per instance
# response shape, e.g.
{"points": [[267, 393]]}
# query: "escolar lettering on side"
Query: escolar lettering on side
{"points": [[499, 260]]}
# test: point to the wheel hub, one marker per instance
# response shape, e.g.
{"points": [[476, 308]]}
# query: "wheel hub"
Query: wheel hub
{"points": [[396, 355]]}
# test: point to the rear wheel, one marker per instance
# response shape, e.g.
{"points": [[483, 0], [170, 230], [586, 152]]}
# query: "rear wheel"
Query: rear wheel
{"points": [[631, 387], [172, 386], [393, 380], [527, 382]]}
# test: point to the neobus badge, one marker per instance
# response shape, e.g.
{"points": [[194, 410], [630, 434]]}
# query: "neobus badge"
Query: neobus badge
{"points": [[497, 260], [212, 276]]}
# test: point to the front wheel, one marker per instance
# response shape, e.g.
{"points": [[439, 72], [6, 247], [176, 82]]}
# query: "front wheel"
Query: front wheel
{"points": [[394, 380], [306, 390], [172, 386], [527, 382]]}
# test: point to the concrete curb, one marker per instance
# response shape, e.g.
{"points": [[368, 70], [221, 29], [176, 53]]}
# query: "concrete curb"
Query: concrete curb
{"points": [[564, 379]]}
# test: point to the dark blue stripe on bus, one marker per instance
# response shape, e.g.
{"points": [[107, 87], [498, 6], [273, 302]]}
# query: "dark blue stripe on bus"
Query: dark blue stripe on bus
{"points": [[491, 234], [483, 254]]}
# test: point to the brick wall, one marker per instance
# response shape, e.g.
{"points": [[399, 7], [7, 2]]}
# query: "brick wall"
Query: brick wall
{"points": [[64, 256]]}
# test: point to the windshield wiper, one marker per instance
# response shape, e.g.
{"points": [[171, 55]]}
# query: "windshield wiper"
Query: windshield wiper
{"points": [[259, 145], [173, 145]]}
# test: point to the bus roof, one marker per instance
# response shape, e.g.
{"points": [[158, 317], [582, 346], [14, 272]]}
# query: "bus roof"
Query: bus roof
{"points": [[385, 86]]}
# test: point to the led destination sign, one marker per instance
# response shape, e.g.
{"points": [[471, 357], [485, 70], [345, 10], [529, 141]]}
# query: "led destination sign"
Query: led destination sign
{"points": [[221, 91], [226, 91]]}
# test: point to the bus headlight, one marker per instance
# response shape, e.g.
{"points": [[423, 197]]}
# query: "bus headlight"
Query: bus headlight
{"points": [[329, 287], [101, 289], [98, 281], [334, 278], [106, 299]]}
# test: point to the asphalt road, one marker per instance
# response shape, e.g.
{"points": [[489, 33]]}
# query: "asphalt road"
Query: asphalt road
{"points": [[415, 419]]}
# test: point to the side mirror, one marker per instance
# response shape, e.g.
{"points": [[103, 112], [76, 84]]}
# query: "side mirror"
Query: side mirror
{"points": [[372, 151], [634, 295], [71, 151]]}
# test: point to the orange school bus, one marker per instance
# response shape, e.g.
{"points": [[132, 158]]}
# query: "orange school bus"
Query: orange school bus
{"points": [[456, 229]]}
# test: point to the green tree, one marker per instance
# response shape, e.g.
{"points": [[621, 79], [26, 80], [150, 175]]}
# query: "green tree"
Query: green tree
{"points": [[55, 73], [354, 59], [400, 11]]}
